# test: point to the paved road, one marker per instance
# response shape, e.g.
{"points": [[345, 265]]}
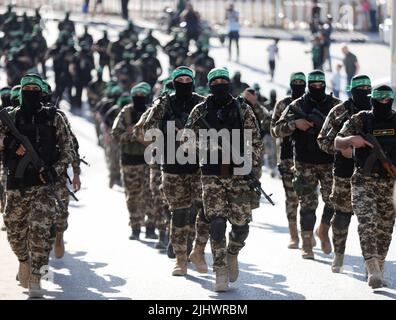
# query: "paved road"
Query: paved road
{"points": [[101, 263]]}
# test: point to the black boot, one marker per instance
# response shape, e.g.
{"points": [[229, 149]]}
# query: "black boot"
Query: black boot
{"points": [[150, 233], [135, 234], [161, 242]]}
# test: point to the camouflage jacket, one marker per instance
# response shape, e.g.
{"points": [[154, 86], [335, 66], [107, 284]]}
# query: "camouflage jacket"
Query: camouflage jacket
{"points": [[75, 145], [263, 117], [278, 110], [158, 111]]}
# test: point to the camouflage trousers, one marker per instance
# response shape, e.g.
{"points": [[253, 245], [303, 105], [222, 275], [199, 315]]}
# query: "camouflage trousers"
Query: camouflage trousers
{"points": [[159, 203], [341, 199], [286, 170], [30, 222], [227, 198], [372, 205], [112, 153], [62, 215], [307, 179], [136, 179], [184, 191]]}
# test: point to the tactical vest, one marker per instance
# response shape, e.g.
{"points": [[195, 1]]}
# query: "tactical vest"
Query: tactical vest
{"points": [[179, 114], [306, 147], [385, 132], [286, 152], [41, 132], [132, 153], [229, 117]]}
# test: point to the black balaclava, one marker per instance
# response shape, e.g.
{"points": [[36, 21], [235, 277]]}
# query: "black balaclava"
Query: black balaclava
{"points": [[139, 103], [221, 92], [361, 99], [183, 90], [31, 101], [382, 111], [317, 95], [297, 90]]}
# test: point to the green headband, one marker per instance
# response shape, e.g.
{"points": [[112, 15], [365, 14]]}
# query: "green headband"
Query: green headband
{"points": [[298, 76], [31, 80], [123, 100], [359, 83], [381, 95], [182, 72], [45, 87], [5, 91], [142, 87], [218, 73], [316, 77]]}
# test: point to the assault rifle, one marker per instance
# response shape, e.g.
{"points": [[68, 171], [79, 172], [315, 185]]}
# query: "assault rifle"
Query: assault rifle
{"points": [[377, 152], [316, 117]]}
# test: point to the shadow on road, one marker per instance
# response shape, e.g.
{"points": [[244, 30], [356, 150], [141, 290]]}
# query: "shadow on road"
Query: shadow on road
{"points": [[269, 227], [81, 281], [253, 283]]}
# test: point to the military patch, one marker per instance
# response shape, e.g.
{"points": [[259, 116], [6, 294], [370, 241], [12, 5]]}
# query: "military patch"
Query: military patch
{"points": [[384, 132]]}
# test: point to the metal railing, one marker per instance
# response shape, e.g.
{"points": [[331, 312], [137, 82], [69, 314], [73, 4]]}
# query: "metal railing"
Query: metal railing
{"points": [[291, 14]]}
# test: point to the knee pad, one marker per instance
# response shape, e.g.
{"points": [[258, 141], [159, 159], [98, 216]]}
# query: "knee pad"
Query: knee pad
{"points": [[240, 233], [308, 219], [180, 217], [342, 220], [328, 212], [218, 228]]}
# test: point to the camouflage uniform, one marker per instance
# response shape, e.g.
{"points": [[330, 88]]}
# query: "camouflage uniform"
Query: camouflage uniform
{"points": [[30, 212], [181, 187], [135, 172], [286, 163], [228, 197], [342, 172], [371, 197], [61, 186], [311, 168], [159, 202]]}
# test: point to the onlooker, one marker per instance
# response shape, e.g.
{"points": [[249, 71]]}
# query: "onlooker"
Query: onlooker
{"points": [[351, 63], [373, 15], [124, 8], [234, 27], [273, 53], [336, 81], [317, 53], [315, 17], [365, 8], [327, 30], [192, 19]]}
